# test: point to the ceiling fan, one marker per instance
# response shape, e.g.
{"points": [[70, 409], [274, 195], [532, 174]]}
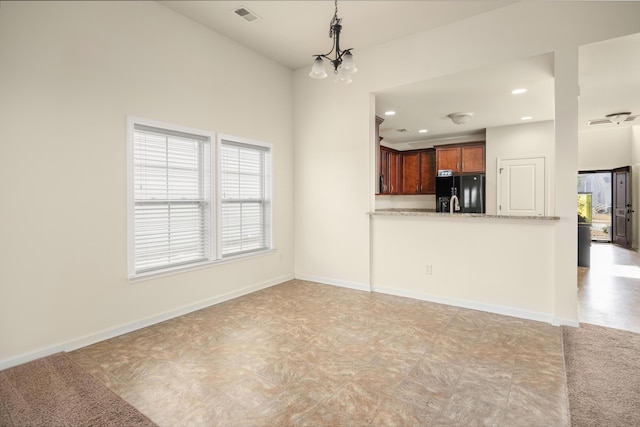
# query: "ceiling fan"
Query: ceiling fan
{"points": [[616, 118]]}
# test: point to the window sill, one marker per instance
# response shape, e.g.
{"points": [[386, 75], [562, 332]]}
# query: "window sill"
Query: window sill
{"points": [[198, 266]]}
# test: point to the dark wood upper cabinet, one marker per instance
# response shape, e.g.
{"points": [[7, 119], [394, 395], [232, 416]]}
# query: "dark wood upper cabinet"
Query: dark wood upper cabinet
{"points": [[461, 158], [472, 158], [407, 172], [390, 169], [428, 172], [448, 158], [411, 173], [415, 171]]}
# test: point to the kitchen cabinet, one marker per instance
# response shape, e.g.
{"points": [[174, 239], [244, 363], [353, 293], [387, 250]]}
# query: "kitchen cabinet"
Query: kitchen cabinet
{"points": [[389, 171], [410, 173], [428, 172], [419, 172], [407, 172], [461, 158]]}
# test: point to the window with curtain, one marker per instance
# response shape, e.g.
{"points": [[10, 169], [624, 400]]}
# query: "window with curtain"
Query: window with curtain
{"points": [[171, 194], [246, 197]]}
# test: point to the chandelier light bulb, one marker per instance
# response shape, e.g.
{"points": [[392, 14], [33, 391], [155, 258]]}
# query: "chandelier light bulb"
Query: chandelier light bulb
{"points": [[348, 64], [317, 70]]}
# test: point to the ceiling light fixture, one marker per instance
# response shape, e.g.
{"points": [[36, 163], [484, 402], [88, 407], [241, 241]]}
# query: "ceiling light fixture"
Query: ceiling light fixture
{"points": [[618, 117], [342, 62], [460, 118], [526, 118], [518, 91], [389, 113], [423, 131]]}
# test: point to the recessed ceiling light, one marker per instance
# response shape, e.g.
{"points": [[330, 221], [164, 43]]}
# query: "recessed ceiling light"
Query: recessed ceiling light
{"points": [[526, 118], [389, 113], [423, 131], [518, 91]]}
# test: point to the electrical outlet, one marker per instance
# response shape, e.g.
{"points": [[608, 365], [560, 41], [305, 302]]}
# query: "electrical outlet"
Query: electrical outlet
{"points": [[427, 269]]}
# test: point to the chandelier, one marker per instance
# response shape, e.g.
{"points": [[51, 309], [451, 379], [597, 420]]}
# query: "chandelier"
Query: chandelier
{"points": [[342, 62]]}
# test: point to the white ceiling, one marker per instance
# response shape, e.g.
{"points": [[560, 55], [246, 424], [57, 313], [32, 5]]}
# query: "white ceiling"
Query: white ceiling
{"points": [[290, 32]]}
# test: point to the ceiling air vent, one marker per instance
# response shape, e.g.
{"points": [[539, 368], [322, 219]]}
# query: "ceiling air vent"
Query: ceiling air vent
{"points": [[605, 121], [246, 14], [402, 130]]}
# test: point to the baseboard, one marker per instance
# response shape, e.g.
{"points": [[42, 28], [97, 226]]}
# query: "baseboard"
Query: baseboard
{"points": [[490, 308], [334, 282], [559, 321], [143, 323]]}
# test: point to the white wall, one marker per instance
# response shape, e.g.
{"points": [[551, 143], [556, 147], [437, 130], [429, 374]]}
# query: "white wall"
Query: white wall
{"points": [[516, 141], [608, 148], [70, 73], [456, 250], [414, 201], [335, 159]]}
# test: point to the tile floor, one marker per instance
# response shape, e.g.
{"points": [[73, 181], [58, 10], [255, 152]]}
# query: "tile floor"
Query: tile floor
{"points": [[609, 290], [307, 354]]}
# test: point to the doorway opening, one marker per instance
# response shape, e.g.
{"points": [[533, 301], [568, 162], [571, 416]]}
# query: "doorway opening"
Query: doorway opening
{"points": [[598, 185]]}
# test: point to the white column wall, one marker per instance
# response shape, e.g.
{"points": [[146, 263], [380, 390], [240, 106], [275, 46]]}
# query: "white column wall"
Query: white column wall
{"points": [[516, 141]]}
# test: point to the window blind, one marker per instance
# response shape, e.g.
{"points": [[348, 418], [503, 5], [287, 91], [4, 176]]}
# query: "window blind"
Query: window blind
{"points": [[171, 198], [245, 202]]}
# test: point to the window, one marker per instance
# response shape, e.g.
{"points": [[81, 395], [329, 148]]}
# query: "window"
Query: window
{"points": [[183, 212], [171, 198], [246, 207]]}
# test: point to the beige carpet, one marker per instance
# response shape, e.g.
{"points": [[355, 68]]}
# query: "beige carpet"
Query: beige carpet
{"points": [[55, 391], [603, 376]]}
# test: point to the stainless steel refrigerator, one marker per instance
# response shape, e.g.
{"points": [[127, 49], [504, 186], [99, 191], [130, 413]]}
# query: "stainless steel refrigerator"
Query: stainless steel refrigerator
{"points": [[470, 190]]}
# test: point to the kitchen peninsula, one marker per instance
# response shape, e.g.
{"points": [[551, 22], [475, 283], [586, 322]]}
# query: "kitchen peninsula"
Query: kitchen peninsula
{"points": [[411, 212]]}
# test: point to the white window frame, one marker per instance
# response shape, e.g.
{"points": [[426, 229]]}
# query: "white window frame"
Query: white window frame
{"points": [[267, 193], [213, 181], [209, 196]]}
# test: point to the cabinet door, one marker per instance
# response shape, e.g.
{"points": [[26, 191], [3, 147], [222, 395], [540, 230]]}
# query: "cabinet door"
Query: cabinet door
{"points": [[393, 173], [472, 158], [410, 173], [448, 158], [384, 172], [428, 172]]}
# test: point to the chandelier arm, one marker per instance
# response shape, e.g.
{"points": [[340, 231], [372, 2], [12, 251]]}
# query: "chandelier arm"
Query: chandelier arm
{"points": [[335, 47]]}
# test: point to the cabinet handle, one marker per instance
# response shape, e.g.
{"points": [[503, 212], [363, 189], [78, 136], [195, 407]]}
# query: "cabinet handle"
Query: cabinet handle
{"points": [[417, 188]]}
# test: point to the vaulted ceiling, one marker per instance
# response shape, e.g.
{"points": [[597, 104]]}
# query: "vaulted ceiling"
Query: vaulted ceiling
{"points": [[290, 32]]}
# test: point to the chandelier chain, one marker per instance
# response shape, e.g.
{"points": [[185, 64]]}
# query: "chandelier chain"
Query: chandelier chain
{"points": [[334, 21]]}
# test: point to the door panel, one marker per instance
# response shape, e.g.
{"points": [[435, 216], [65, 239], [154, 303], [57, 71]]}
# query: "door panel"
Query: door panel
{"points": [[448, 158], [521, 189], [473, 158], [411, 173], [428, 172], [622, 207]]}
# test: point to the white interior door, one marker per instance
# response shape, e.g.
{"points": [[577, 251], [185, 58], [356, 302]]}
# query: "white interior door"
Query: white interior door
{"points": [[521, 186]]}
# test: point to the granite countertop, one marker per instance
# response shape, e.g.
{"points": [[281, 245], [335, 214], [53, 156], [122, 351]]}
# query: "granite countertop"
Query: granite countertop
{"points": [[433, 213]]}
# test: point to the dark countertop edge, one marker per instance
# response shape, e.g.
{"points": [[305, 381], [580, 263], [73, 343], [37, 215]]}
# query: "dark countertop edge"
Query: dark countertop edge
{"points": [[432, 213]]}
